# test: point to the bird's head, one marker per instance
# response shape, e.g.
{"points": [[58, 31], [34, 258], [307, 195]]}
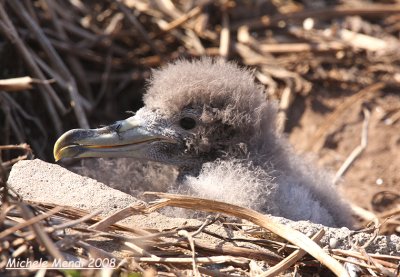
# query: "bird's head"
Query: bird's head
{"points": [[194, 112]]}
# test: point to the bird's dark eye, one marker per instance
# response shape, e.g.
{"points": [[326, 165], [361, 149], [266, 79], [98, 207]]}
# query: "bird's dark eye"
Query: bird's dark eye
{"points": [[187, 123]]}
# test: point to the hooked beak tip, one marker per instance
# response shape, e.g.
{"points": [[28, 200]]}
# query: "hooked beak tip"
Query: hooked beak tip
{"points": [[128, 139]]}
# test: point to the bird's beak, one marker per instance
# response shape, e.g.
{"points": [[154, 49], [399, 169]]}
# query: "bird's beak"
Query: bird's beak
{"points": [[126, 138]]}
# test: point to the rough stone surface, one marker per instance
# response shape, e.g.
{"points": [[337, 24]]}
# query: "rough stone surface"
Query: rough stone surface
{"points": [[40, 181], [45, 182]]}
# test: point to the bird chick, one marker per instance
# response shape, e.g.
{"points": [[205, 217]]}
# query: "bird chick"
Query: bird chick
{"points": [[211, 120]]}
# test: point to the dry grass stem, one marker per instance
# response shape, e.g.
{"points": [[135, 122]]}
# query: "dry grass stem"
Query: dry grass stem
{"points": [[358, 150], [291, 259], [285, 232]]}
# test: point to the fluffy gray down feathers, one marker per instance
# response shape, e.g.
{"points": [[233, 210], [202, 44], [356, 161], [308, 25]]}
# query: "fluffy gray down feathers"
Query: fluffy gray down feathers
{"points": [[267, 176]]}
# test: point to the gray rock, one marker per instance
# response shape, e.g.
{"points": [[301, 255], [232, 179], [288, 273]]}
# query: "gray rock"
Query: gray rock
{"points": [[45, 182], [40, 181]]}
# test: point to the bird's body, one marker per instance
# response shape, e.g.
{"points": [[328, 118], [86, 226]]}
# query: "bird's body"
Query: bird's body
{"points": [[211, 120]]}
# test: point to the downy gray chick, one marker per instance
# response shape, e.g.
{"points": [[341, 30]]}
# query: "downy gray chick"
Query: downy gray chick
{"points": [[211, 120]]}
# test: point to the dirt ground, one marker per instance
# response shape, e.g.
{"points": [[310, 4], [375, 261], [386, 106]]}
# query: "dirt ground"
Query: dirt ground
{"points": [[373, 179]]}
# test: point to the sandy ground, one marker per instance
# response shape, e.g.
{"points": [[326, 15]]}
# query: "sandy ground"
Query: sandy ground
{"points": [[377, 170]]}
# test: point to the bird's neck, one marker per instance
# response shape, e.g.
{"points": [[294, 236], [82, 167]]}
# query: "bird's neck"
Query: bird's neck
{"points": [[258, 156]]}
